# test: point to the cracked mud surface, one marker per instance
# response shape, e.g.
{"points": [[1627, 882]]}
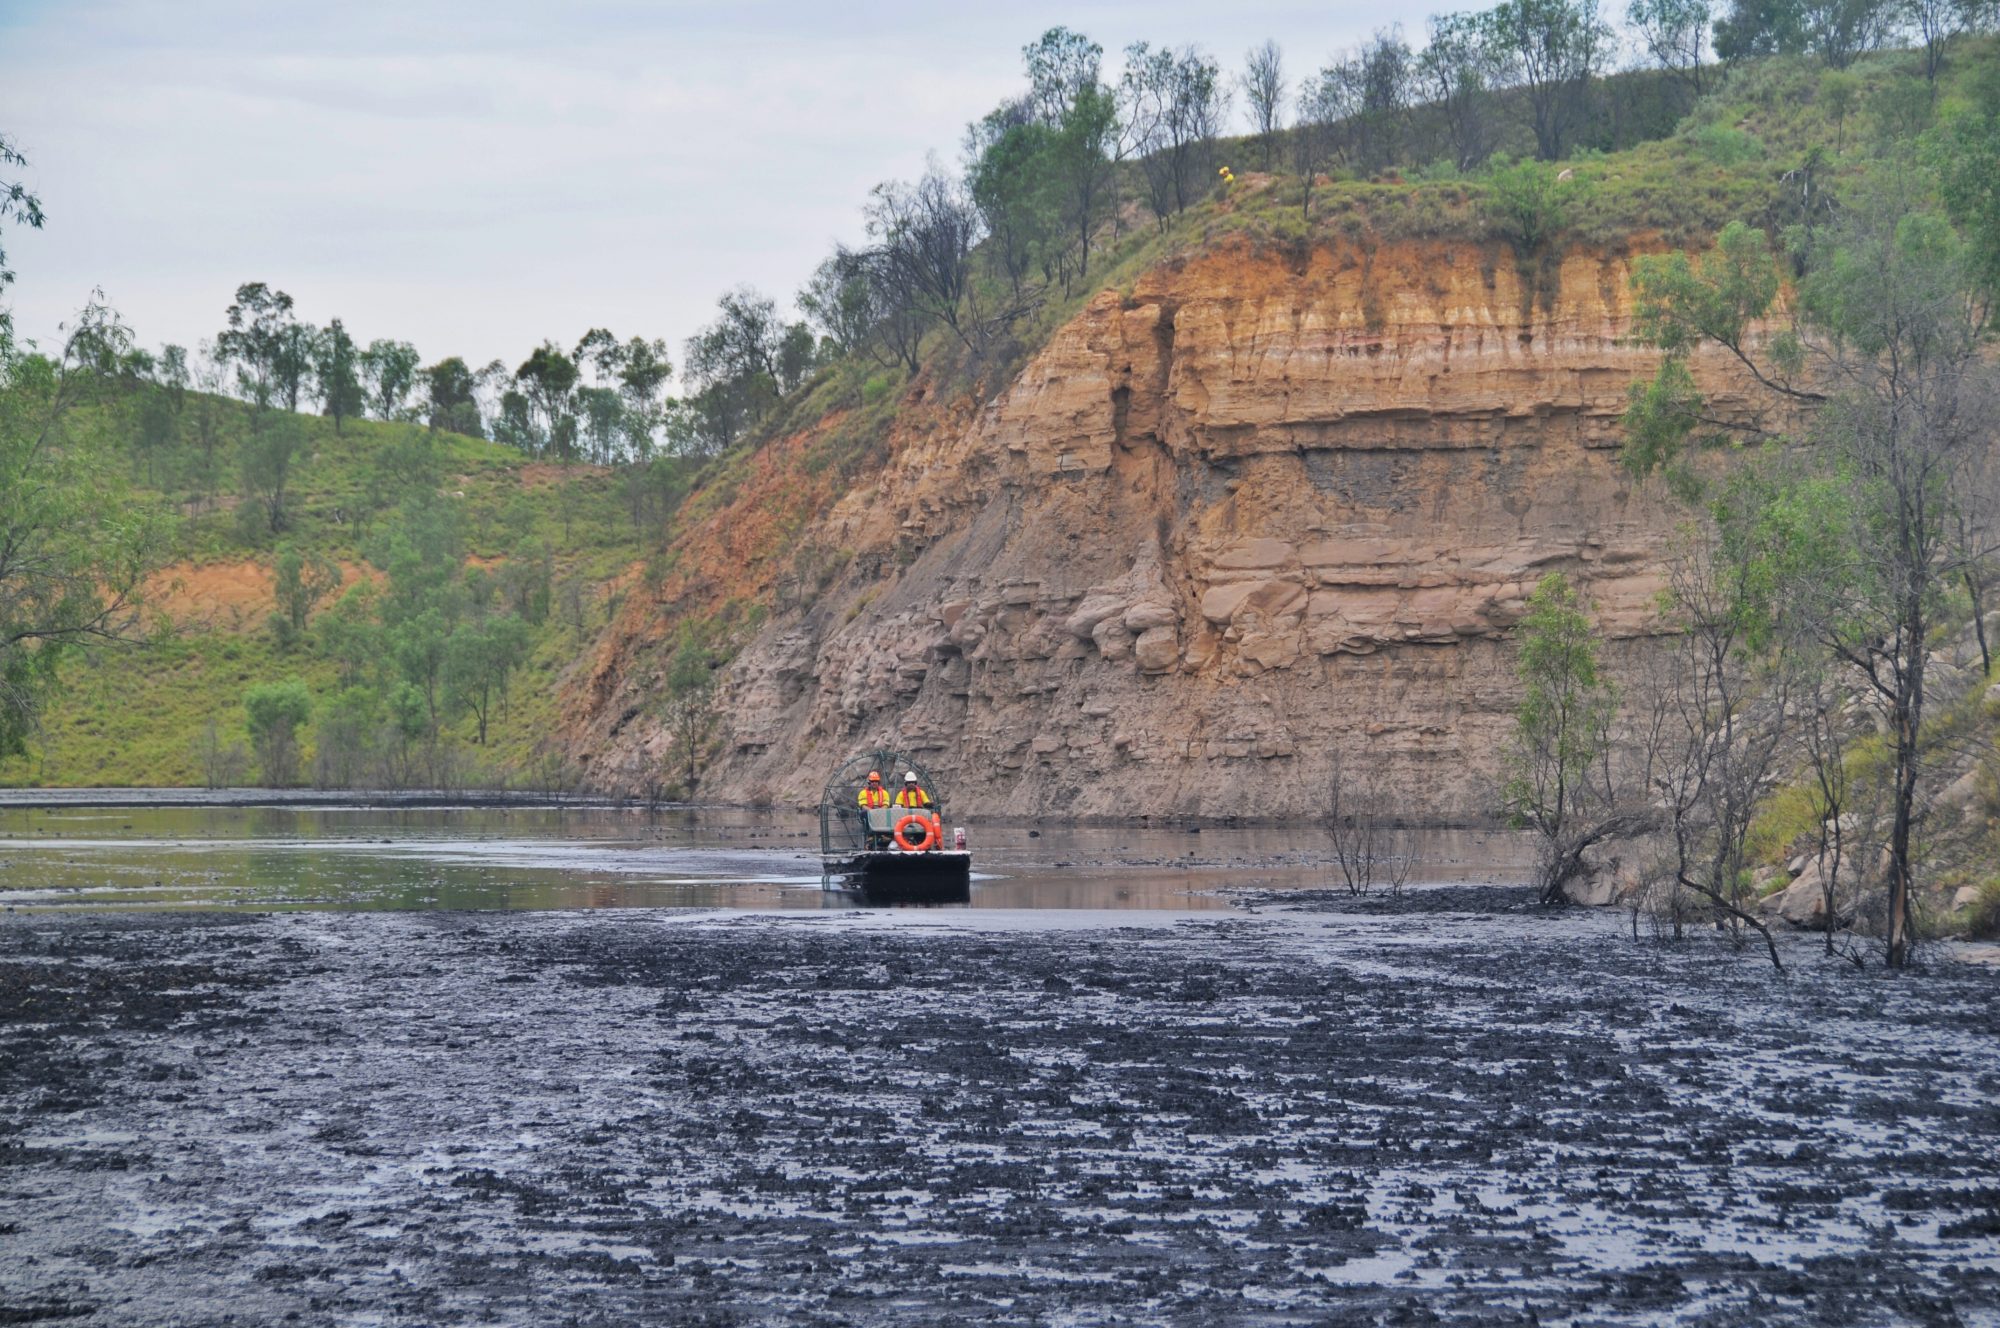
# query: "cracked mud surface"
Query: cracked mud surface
{"points": [[1452, 1111]]}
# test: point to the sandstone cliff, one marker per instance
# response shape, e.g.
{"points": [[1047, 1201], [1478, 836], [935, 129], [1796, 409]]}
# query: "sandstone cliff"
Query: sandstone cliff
{"points": [[1269, 507]]}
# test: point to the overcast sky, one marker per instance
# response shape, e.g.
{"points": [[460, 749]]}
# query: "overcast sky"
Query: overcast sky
{"points": [[475, 177]]}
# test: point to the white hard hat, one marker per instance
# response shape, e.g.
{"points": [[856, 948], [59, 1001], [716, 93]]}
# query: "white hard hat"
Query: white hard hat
{"points": [[909, 776]]}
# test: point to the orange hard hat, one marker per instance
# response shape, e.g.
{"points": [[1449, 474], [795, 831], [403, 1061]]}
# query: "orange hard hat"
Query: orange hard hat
{"points": [[875, 775]]}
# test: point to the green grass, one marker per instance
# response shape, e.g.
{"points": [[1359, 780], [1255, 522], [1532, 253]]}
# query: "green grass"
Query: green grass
{"points": [[133, 714]]}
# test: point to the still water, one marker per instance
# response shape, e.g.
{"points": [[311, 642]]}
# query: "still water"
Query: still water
{"points": [[176, 850]]}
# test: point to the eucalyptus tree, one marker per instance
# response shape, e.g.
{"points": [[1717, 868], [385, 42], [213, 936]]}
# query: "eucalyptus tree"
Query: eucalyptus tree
{"points": [[174, 374], [1937, 22], [1756, 28], [1069, 96], [1378, 82], [1553, 49], [294, 362], [18, 206], [75, 546], [275, 712], [1560, 782], [336, 373], [299, 581], [264, 461], [643, 371], [600, 409], [1675, 35], [1455, 73], [1836, 31], [687, 708], [1011, 178], [391, 370], [1965, 151], [258, 342], [839, 304], [547, 382], [450, 397], [1322, 106], [480, 658], [731, 372], [1841, 31]]}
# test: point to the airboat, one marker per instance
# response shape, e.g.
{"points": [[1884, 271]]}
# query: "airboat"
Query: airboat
{"points": [[890, 854]]}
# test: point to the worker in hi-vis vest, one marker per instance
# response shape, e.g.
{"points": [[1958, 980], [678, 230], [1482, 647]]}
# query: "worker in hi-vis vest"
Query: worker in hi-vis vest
{"points": [[912, 794], [874, 797]]}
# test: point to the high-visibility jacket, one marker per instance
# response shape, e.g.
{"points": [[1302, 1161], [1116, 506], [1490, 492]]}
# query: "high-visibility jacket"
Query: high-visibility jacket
{"points": [[873, 795], [912, 796]]}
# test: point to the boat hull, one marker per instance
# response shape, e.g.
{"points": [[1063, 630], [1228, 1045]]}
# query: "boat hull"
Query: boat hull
{"points": [[943, 877]]}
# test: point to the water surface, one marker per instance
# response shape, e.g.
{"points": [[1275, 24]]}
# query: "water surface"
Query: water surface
{"points": [[176, 849]]}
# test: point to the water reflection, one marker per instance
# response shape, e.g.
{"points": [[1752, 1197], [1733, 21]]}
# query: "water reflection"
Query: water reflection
{"points": [[341, 854]]}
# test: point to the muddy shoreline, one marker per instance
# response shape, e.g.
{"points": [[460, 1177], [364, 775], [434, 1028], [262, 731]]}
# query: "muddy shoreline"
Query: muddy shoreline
{"points": [[1458, 1111]]}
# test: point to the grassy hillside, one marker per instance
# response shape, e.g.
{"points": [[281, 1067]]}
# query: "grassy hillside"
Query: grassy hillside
{"points": [[140, 714]]}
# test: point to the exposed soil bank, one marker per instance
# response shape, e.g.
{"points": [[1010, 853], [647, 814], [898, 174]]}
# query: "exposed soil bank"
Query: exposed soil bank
{"points": [[1456, 1113]]}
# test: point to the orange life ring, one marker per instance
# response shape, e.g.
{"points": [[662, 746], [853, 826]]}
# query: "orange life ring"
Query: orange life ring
{"points": [[926, 836]]}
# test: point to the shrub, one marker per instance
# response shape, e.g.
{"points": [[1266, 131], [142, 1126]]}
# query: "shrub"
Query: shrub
{"points": [[1527, 204], [276, 710], [1982, 919], [1726, 145]]}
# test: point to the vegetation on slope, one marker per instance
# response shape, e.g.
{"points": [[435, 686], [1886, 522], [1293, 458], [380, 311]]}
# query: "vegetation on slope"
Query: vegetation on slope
{"points": [[514, 549], [439, 585], [1858, 523]]}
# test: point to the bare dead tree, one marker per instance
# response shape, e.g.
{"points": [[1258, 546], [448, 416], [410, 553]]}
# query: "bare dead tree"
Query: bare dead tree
{"points": [[1181, 99], [223, 765], [1405, 857], [1370, 842], [924, 234], [1975, 519], [1352, 823], [1823, 737], [921, 262], [1728, 721], [1263, 84], [1667, 778]]}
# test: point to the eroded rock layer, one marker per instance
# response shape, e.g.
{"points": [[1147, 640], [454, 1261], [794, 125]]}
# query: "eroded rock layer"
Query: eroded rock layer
{"points": [[1267, 511]]}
